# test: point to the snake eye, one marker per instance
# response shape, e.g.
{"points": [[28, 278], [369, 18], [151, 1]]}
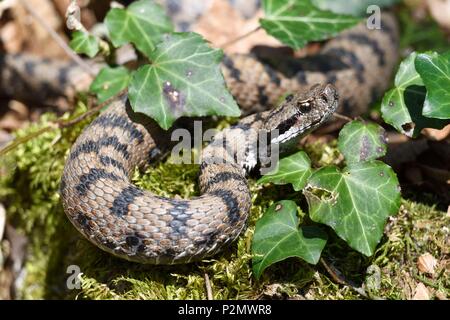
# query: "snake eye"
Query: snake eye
{"points": [[325, 98], [304, 107]]}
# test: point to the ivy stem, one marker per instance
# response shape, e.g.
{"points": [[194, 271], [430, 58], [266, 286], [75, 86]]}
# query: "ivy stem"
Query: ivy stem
{"points": [[245, 35], [57, 38]]}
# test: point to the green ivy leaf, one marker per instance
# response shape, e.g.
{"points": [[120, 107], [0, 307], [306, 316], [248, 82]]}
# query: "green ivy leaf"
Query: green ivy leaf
{"points": [[353, 7], [295, 169], [402, 105], [278, 237], [434, 70], [109, 82], [83, 42], [296, 22], [184, 80], [354, 202], [362, 141], [142, 23]]}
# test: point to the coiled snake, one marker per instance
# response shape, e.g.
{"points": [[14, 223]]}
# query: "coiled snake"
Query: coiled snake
{"points": [[134, 224]]}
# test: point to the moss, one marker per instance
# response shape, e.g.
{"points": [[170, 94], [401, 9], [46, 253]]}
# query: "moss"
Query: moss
{"points": [[30, 192]]}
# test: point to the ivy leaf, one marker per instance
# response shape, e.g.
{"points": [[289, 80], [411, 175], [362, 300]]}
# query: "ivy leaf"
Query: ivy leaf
{"points": [[362, 141], [434, 70], [184, 80], [295, 169], [402, 105], [278, 237], [142, 23], [354, 202], [353, 7], [109, 82], [296, 22], [83, 42]]}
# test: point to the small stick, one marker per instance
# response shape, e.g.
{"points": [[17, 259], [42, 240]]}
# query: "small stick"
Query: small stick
{"points": [[209, 294], [339, 278], [227, 44], [342, 117], [59, 124], [71, 122], [333, 272], [58, 39], [19, 141]]}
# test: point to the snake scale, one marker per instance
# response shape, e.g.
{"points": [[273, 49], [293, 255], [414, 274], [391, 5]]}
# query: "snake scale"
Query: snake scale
{"points": [[134, 224]]}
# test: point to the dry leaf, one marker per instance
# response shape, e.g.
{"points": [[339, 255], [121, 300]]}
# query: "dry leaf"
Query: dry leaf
{"points": [[421, 292], [35, 39], [435, 134], [219, 14], [426, 263], [11, 37], [440, 11], [440, 295]]}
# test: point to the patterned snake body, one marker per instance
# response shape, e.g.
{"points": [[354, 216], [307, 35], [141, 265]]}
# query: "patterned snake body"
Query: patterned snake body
{"points": [[134, 224]]}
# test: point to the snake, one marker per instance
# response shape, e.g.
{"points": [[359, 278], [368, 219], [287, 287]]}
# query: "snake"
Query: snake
{"points": [[348, 73]]}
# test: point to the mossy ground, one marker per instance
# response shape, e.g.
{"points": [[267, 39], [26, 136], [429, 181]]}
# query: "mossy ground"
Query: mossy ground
{"points": [[30, 192]]}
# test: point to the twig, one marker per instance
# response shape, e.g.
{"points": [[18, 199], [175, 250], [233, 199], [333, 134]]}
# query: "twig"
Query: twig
{"points": [[209, 294], [59, 124], [27, 138], [339, 278], [342, 117], [228, 43], [68, 123], [58, 39], [333, 272]]}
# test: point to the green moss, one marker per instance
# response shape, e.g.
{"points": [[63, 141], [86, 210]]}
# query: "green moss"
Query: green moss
{"points": [[30, 193]]}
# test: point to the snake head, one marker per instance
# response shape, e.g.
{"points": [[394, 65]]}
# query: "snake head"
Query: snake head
{"points": [[300, 113]]}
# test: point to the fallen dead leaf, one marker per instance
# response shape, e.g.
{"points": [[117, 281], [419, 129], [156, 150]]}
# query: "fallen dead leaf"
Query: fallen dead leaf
{"points": [[35, 39], [20, 108], [11, 37], [220, 13], [440, 11], [421, 292], [441, 295], [435, 134], [427, 263]]}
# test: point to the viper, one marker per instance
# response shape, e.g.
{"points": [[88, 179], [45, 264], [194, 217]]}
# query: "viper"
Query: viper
{"points": [[136, 225]]}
